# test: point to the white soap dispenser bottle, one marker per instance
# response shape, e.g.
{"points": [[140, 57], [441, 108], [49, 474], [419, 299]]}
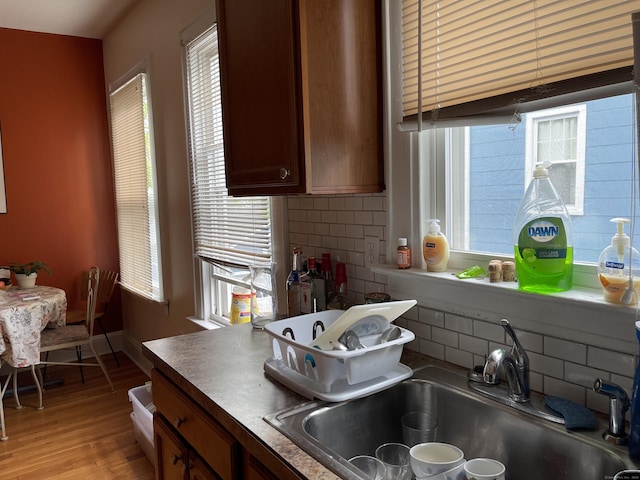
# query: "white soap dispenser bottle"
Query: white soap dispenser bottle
{"points": [[617, 266]]}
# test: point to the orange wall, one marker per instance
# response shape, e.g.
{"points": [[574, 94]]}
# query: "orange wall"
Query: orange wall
{"points": [[57, 165]]}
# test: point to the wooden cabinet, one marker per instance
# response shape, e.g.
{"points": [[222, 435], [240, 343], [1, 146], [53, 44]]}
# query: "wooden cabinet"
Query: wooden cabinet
{"points": [[191, 436], [301, 95], [176, 461], [192, 445]]}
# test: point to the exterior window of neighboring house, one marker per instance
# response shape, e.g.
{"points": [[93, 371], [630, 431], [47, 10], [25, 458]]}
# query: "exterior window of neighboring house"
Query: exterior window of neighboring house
{"points": [[135, 186], [230, 233], [558, 136]]}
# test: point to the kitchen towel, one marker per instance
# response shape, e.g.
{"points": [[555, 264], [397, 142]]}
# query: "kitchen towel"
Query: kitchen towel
{"points": [[576, 416]]}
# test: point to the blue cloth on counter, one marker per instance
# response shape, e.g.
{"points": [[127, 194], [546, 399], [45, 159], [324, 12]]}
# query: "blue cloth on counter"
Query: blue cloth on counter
{"points": [[575, 416]]}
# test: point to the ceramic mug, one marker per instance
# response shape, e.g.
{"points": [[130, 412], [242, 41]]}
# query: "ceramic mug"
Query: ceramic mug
{"points": [[484, 469]]}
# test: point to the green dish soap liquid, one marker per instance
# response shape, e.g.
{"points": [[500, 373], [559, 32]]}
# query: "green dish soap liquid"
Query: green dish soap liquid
{"points": [[543, 238]]}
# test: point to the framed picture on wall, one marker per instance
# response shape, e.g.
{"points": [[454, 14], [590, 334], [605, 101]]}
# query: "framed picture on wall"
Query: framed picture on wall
{"points": [[3, 195]]}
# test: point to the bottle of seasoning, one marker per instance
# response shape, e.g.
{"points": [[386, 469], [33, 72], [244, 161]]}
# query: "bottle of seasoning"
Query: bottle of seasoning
{"points": [[312, 290], [293, 285], [404, 254]]}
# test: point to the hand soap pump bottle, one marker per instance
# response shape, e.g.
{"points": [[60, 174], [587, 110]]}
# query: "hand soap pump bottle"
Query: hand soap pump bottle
{"points": [[435, 247], [543, 238], [617, 266]]}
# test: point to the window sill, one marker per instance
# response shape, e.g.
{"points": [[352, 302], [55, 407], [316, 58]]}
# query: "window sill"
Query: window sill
{"points": [[579, 315]]}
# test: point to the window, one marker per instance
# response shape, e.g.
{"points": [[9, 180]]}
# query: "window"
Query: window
{"points": [[135, 187], [558, 136], [552, 82], [498, 164], [230, 233]]}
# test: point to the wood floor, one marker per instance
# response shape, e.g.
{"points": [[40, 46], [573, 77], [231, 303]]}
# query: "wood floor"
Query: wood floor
{"points": [[83, 432]]}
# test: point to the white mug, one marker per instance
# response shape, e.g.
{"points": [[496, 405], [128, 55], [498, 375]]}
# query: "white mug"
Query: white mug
{"points": [[484, 469]]}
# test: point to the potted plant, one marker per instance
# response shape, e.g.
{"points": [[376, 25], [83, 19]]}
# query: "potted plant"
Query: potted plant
{"points": [[26, 273]]}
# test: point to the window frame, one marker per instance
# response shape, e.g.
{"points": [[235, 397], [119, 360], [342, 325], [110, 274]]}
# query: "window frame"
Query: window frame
{"points": [[153, 288], [533, 119], [213, 284]]}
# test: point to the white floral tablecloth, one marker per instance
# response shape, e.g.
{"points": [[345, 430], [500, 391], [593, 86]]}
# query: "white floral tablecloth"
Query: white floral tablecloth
{"points": [[24, 313]]}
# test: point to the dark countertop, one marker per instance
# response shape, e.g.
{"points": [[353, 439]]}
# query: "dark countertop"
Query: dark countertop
{"points": [[222, 370]]}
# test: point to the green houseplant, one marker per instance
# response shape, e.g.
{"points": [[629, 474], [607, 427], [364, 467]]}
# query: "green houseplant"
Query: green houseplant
{"points": [[26, 273]]}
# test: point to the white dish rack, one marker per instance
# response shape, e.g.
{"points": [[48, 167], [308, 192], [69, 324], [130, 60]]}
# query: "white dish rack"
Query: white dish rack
{"points": [[333, 375]]}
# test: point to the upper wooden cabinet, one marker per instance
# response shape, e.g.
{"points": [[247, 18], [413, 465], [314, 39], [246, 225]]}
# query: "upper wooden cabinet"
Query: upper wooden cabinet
{"points": [[301, 96]]}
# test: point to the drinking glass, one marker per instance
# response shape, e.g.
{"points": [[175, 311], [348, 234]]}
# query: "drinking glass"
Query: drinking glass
{"points": [[264, 305]]}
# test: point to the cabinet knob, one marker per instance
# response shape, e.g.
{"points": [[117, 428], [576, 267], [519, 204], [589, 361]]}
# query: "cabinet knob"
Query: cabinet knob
{"points": [[284, 173], [179, 421], [175, 459]]}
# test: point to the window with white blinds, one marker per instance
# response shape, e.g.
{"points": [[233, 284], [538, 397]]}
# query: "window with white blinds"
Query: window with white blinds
{"points": [[136, 208], [233, 231], [467, 59]]}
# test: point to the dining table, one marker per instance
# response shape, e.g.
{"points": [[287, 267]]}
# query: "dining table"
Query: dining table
{"points": [[24, 313]]}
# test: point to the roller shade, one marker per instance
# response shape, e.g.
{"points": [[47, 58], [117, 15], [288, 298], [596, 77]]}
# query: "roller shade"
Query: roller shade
{"points": [[472, 58]]}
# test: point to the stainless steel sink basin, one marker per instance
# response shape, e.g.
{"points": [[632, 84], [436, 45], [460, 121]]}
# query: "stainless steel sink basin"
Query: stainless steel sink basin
{"points": [[531, 448]]}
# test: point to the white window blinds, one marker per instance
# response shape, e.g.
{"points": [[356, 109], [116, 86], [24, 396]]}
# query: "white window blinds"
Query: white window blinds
{"points": [[227, 230], [457, 52], [134, 188]]}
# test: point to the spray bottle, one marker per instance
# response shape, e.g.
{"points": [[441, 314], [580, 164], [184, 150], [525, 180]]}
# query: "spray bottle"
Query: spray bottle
{"points": [[617, 265]]}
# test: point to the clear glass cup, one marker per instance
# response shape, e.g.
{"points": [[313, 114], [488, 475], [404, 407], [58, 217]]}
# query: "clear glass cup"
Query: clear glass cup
{"points": [[370, 466], [396, 459], [264, 304], [419, 427]]}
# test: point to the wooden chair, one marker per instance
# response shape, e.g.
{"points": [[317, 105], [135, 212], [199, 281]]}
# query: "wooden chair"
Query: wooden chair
{"points": [[106, 286], [77, 335]]}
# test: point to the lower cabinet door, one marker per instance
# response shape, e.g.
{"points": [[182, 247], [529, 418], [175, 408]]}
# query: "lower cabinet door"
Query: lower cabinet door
{"points": [[171, 454], [198, 470]]}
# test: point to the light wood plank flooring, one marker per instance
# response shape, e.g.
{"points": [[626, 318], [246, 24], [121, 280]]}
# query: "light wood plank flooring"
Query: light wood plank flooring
{"points": [[83, 432]]}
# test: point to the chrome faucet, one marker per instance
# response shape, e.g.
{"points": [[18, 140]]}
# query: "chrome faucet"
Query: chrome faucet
{"points": [[618, 406], [515, 364]]}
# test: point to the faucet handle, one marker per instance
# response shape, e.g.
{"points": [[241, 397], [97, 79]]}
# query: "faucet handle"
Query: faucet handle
{"points": [[517, 348]]}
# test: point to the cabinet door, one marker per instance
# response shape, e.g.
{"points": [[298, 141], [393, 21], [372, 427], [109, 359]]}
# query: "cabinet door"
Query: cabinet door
{"points": [[260, 89], [198, 470], [342, 95], [171, 454]]}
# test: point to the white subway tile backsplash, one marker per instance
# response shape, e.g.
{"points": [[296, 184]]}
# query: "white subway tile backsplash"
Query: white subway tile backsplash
{"points": [[431, 317], [445, 337], [458, 357], [546, 365], [574, 352], [458, 323], [582, 375], [338, 224], [621, 363], [433, 349], [490, 331], [559, 388], [474, 345]]}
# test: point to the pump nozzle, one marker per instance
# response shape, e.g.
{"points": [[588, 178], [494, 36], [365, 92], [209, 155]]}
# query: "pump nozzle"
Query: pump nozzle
{"points": [[620, 239]]}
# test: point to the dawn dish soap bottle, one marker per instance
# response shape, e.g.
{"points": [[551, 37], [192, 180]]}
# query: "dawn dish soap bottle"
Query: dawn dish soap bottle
{"points": [[543, 238], [617, 267]]}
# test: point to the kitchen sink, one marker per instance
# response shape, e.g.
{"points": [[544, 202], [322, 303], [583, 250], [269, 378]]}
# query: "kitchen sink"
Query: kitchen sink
{"points": [[530, 447]]}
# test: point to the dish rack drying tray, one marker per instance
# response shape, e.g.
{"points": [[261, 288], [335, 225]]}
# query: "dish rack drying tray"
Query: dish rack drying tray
{"points": [[334, 375]]}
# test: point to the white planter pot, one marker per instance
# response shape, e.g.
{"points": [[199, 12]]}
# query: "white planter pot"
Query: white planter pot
{"points": [[26, 281]]}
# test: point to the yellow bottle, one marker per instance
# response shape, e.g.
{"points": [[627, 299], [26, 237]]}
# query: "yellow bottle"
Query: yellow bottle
{"points": [[435, 248]]}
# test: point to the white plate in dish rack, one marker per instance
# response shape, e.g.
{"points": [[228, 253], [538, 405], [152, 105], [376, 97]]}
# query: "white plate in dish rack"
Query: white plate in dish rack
{"points": [[340, 390], [387, 312]]}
